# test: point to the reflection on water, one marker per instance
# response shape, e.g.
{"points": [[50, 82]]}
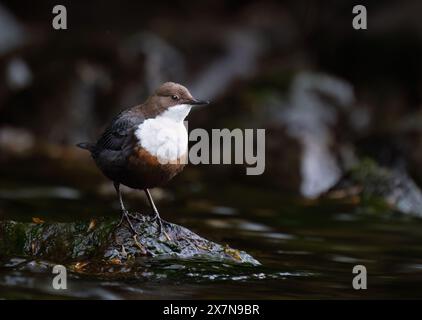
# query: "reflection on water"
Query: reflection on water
{"points": [[31, 193], [307, 249]]}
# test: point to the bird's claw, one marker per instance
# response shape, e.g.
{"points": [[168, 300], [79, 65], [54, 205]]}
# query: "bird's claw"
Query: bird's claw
{"points": [[134, 217], [127, 216], [160, 223]]}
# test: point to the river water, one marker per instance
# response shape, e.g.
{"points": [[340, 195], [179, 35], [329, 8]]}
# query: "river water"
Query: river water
{"points": [[307, 248]]}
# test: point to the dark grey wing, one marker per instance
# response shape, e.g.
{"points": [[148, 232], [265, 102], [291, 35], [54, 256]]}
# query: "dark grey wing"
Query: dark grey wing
{"points": [[116, 144], [117, 135]]}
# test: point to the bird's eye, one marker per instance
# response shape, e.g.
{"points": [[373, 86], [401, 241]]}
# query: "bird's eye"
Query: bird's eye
{"points": [[175, 97]]}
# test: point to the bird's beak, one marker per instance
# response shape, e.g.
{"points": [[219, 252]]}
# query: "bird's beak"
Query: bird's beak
{"points": [[195, 102]]}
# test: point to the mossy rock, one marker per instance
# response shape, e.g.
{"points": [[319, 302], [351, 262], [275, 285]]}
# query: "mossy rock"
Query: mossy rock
{"points": [[383, 188], [103, 240]]}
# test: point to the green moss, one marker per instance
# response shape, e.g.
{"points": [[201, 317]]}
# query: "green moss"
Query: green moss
{"points": [[67, 242], [386, 189]]}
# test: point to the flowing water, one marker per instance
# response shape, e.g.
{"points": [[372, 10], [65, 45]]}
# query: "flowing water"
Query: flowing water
{"points": [[307, 248]]}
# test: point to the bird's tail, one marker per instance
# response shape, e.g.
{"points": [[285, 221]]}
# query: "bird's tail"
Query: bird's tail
{"points": [[86, 145]]}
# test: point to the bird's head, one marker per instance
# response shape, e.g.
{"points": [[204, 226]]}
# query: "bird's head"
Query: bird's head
{"points": [[174, 101]]}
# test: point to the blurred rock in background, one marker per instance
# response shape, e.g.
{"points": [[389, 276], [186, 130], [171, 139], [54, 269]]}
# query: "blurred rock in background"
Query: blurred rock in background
{"points": [[327, 94]]}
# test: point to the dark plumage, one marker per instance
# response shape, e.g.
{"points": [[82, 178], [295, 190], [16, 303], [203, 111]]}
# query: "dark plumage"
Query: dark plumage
{"points": [[120, 152]]}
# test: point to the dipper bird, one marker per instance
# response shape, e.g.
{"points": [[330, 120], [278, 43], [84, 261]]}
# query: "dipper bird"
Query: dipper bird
{"points": [[145, 146]]}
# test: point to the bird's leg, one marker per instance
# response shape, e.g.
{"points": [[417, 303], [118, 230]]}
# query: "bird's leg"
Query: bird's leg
{"points": [[156, 214], [125, 213]]}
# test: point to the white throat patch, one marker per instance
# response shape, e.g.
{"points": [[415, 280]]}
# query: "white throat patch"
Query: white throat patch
{"points": [[165, 136], [177, 113]]}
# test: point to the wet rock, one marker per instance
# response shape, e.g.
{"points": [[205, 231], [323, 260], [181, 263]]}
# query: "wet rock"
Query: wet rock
{"points": [[104, 241], [310, 117], [18, 74], [381, 186], [163, 61], [310, 120], [11, 32], [243, 50], [15, 141]]}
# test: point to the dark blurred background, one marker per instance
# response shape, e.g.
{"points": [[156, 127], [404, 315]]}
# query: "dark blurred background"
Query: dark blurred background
{"points": [[326, 93], [342, 113]]}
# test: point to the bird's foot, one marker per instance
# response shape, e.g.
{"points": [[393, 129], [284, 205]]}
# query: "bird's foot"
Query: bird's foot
{"points": [[134, 217], [161, 222], [127, 216]]}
